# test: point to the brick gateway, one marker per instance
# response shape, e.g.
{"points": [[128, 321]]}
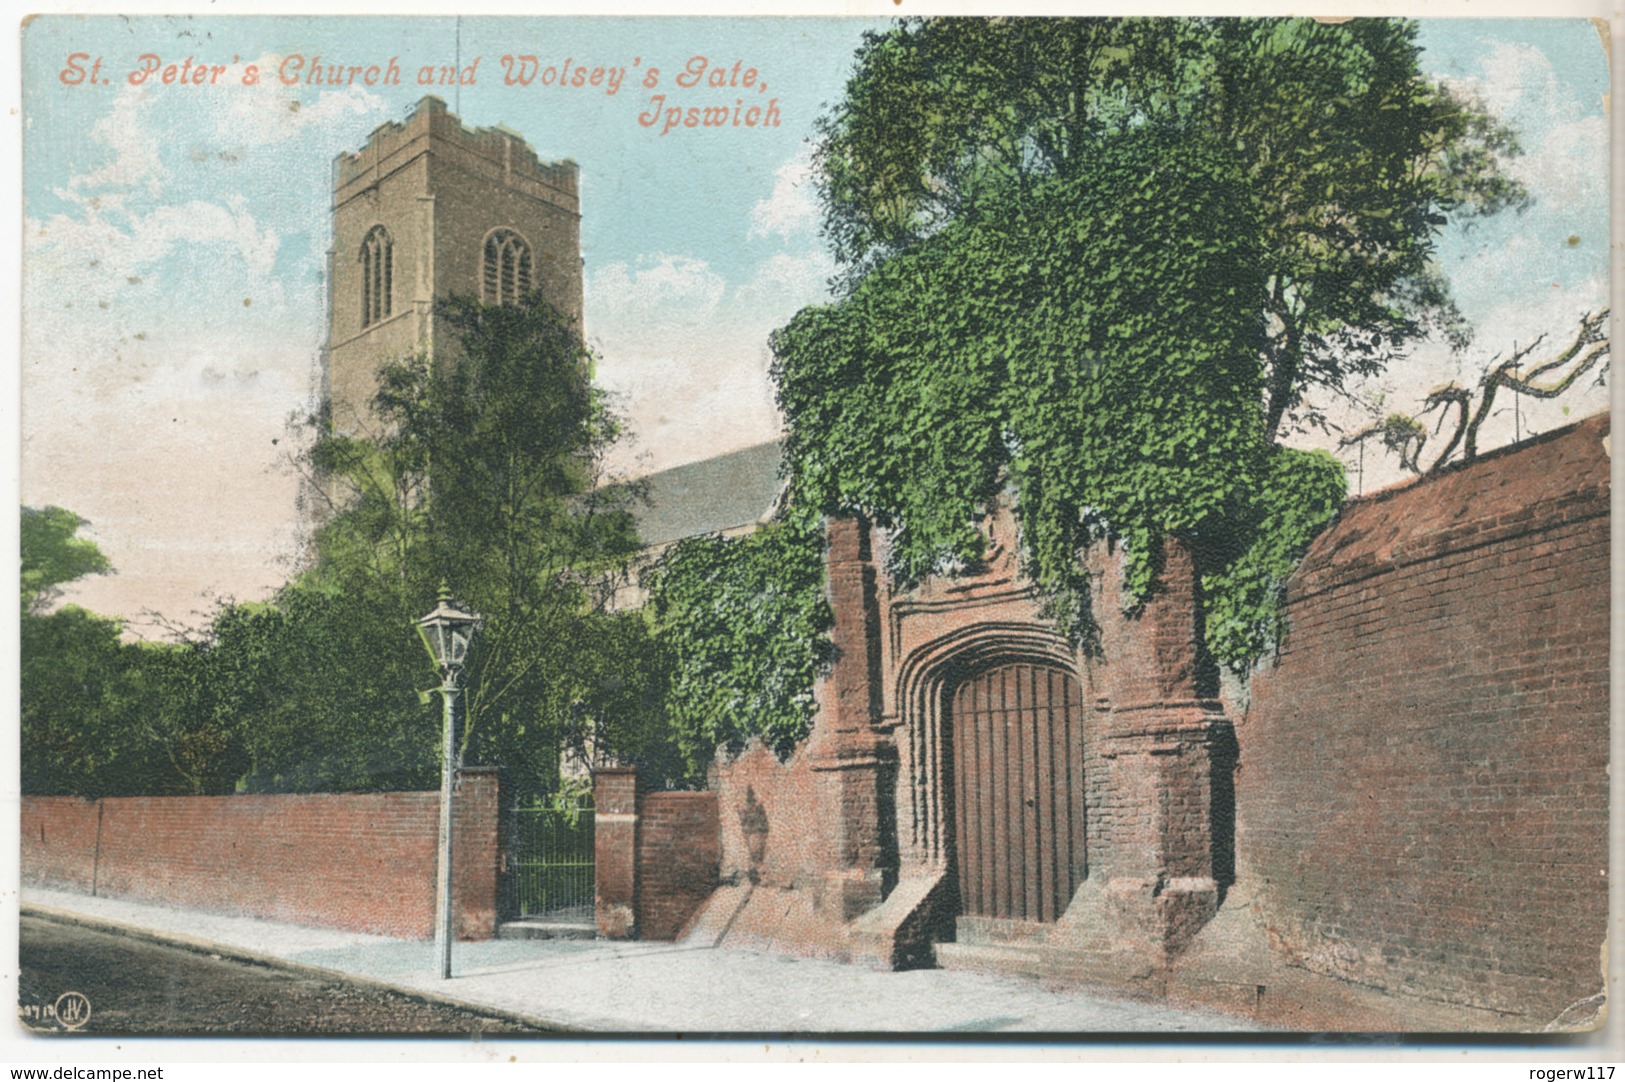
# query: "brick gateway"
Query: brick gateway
{"points": [[1413, 799]]}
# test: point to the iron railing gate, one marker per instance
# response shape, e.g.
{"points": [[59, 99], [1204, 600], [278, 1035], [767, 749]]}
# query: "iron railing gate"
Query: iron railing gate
{"points": [[551, 870]]}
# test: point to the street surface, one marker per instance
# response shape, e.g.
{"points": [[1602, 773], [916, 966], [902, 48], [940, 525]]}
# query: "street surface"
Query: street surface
{"points": [[132, 986], [642, 987]]}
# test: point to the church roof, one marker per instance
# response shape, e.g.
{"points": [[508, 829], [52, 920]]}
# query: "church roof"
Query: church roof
{"points": [[713, 495]]}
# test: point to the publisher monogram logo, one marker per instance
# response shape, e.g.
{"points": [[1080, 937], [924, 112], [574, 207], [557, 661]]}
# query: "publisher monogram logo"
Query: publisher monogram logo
{"points": [[72, 1010]]}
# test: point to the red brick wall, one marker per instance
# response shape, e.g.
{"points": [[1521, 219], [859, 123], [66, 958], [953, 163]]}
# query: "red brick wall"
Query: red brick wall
{"points": [[657, 856], [363, 862], [775, 824], [59, 839], [1423, 799], [678, 852]]}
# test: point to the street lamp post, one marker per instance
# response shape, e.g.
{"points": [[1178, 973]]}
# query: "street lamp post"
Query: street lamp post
{"points": [[447, 632]]}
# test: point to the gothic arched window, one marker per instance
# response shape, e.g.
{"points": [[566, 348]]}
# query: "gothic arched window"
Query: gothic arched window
{"points": [[507, 267], [377, 274]]}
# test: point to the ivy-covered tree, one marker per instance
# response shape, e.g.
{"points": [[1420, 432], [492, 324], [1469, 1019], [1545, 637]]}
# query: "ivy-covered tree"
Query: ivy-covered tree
{"points": [[1095, 348], [1352, 158], [1102, 262]]}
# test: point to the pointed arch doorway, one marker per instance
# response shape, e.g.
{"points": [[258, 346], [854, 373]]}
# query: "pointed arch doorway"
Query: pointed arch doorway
{"points": [[1016, 739]]}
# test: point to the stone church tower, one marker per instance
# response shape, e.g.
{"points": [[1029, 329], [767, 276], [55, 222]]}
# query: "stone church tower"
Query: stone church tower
{"points": [[428, 208]]}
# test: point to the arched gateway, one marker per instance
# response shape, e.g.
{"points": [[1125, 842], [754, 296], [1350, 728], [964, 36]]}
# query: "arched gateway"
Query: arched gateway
{"points": [[975, 791], [995, 714]]}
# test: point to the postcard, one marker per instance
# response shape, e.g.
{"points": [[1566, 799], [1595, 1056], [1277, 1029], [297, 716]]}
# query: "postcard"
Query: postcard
{"points": [[547, 528]]}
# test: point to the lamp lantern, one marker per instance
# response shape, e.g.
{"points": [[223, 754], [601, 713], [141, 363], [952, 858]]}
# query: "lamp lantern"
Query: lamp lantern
{"points": [[448, 632]]}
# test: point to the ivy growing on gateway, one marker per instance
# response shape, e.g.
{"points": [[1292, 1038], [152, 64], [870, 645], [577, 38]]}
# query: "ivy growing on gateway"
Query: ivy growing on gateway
{"points": [[1048, 286], [1096, 351]]}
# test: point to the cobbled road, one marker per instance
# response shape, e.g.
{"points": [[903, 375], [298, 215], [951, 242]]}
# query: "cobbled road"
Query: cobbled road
{"points": [[134, 986]]}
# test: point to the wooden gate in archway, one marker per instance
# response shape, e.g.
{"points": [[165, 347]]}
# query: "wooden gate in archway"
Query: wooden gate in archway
{"points": [[1017, 746]]}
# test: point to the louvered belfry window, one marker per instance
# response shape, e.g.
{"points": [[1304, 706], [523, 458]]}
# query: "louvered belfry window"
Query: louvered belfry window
{"points": [[377, 273], [507, 267]]}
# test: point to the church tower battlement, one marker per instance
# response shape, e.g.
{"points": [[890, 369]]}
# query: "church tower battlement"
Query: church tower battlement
{"points": [[428, 208]]}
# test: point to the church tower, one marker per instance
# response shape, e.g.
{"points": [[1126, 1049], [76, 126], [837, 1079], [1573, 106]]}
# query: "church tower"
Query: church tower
{"points": [[426, 209]]}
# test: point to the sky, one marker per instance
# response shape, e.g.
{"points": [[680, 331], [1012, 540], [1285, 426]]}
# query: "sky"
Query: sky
{"points": [[174, 239]]}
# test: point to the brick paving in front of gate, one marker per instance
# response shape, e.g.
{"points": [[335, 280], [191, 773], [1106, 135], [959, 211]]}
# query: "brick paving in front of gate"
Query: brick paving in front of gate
{"points": [[605, 986]]}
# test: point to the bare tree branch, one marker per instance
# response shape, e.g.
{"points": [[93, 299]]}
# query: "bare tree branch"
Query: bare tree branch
{"points": [[1405, 436]]}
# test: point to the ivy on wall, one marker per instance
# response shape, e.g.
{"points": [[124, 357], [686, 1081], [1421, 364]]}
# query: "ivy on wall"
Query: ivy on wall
{"points": [[745, 624], [1248, 558]]}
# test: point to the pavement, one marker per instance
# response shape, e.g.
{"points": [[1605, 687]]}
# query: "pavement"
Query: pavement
{"points": [[637, 987]]}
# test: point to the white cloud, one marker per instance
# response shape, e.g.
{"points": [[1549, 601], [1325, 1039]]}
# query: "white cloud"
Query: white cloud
{"points": [[1568, 168], [1564, 160], [792, 279], [1514, 76], [134, 162], [645, 307], [687, 350], [1515, 276], [271, 113], [96, 288], [668, 305], [135, 243], [791, 208]]}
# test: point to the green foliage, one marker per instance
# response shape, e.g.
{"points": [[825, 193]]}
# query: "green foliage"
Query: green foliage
{"points": [[1247, 558], [482, 471], [1352, 159], [322, 686], [53, 556], [100, 716], [84, 713], [745, 624], [1096, 347], [618, 714], [82, 710]]}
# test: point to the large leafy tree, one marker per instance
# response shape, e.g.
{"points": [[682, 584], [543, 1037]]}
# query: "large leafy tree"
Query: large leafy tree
{"points": [[484, 473], [86, 720], [1095, 348], [1105, 262], [1351, 157]]}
